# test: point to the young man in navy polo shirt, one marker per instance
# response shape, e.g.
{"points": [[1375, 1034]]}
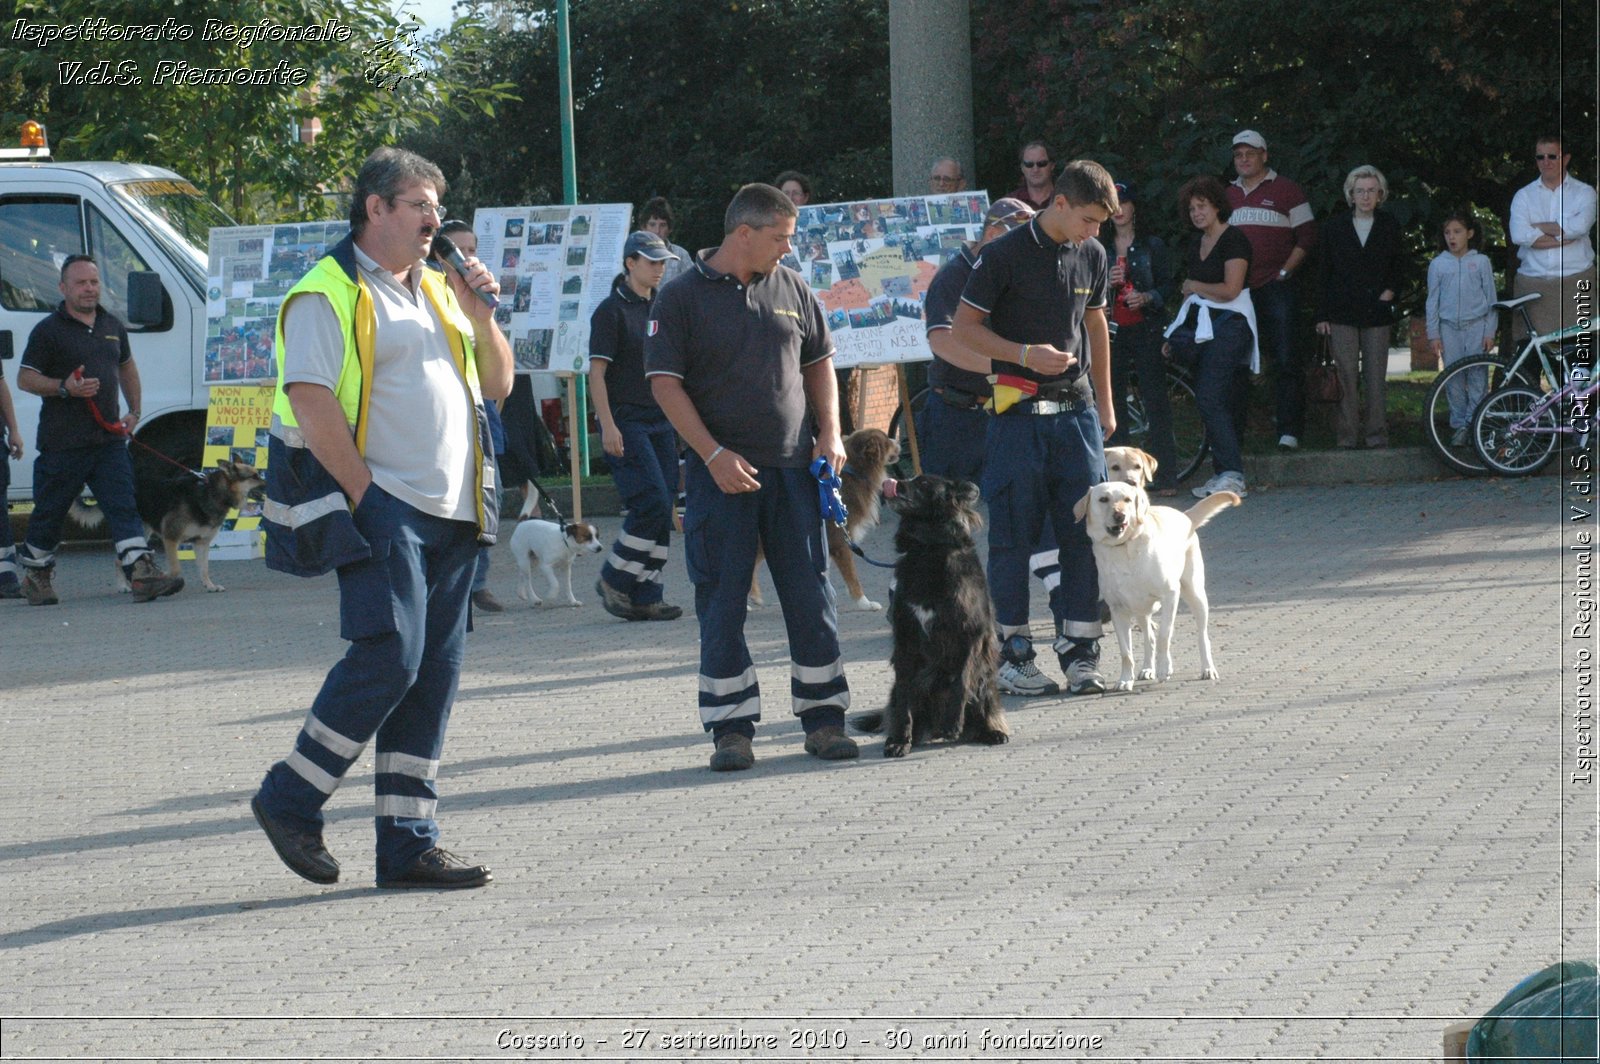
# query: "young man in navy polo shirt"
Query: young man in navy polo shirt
{"points": [[1036, 304], [736, 351]]}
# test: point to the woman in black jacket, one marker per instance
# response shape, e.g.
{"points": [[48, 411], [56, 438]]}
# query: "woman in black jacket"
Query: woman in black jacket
{"points": [[1360, 272]]}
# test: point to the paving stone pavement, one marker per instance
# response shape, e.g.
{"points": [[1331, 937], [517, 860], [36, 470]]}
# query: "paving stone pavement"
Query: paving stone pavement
{"points": [[1350, 841]]}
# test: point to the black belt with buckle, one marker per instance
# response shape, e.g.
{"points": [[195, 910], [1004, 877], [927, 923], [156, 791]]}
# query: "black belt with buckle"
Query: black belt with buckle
{"points": [[959, 399]]}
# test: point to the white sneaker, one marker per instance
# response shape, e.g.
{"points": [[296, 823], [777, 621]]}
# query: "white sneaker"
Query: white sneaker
{"points": [[1227, 480], [1025, 679], [1288, 442], [1458, 438]]}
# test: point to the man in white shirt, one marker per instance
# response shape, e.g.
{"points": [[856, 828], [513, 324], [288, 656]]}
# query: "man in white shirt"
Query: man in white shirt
{"points": [[1550, 223]]}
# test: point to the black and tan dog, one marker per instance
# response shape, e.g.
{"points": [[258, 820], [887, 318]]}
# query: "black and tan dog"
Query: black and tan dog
{"points": [[181, 509], [946, 652], [868, 454]]}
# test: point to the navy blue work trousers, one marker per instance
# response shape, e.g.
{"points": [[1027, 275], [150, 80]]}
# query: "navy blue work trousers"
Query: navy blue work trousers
{"points": [[647, 479]]}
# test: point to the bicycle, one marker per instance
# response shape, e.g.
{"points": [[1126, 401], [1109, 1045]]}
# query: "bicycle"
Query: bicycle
{"points": [[1515, 429], [1187, 428], [1542, 358]]}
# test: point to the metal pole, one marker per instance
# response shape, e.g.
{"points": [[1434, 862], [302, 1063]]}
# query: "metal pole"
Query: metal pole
{"points": [[569, 194]]}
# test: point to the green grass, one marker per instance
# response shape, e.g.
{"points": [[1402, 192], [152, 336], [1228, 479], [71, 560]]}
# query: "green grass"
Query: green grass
{"points": [[1403, 398]]}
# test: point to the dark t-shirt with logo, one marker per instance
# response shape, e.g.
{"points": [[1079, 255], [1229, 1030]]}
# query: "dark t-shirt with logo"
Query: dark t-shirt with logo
{"points": [[616, 335], [1035, 291], [739, 350], [60, 344]]}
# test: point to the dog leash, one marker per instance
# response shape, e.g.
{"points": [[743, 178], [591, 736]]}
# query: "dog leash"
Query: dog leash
{"points": [[546, 500], [117, 428], [834, 509]]}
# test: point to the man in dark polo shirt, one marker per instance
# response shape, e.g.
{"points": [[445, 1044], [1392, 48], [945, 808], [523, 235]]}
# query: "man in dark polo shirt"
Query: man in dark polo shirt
{"points": [[737, 352], [954, 423], [77, 356], [1036, 304]]}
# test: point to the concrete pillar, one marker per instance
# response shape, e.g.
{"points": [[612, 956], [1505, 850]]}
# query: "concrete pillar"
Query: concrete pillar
{"points": [[930, 89]]}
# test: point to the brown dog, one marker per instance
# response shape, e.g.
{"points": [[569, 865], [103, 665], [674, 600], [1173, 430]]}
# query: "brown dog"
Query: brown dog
{"points": [[868, 454], [181, 509]]}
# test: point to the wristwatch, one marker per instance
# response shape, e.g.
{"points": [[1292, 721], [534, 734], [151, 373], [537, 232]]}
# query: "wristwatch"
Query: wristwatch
{"points": [[61, 390]]}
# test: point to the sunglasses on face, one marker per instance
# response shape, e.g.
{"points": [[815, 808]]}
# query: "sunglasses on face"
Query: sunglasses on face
{"points": [[1547, 158]]}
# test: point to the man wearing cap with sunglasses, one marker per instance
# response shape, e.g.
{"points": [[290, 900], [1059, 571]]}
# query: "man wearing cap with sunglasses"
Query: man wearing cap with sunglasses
{"points": [[1550, 223], [1274, 215]]}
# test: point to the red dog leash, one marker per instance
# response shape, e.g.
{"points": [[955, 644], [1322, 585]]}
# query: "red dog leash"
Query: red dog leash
{"points": [[117, 428]]}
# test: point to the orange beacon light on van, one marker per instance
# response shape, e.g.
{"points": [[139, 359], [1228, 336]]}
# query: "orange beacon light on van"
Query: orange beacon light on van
{"points": [[33, 135]]}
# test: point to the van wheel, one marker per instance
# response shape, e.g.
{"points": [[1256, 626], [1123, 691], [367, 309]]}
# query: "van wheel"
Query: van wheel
{"points": [[180, 437]]}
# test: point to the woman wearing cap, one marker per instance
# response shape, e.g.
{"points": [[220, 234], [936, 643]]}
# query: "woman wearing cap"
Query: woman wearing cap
{"points": [[640, 444], [1140, 270]]}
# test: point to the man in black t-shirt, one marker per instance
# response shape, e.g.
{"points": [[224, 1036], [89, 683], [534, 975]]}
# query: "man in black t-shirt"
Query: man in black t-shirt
{"points": [[1036, 304], [76, 360], [737, 351]]}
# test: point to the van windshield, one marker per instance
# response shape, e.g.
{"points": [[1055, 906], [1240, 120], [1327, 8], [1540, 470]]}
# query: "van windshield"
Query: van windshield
{"points": [[180, 217]]}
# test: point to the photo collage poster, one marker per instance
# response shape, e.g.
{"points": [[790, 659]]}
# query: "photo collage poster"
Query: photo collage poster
{"points": [[555, 265], [870, 263], [251, 269]]}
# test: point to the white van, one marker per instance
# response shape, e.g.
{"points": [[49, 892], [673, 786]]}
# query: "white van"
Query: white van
{"points": [[147, 229]]}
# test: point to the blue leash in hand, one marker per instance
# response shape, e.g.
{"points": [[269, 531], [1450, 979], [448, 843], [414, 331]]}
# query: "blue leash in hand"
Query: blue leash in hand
{"points": [[834, 509]]}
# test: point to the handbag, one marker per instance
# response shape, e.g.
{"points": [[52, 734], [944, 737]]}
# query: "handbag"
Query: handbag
{"points": [[1322, 377]]}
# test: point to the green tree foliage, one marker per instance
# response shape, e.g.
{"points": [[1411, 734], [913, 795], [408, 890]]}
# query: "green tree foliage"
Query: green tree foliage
{"points": [[1444, 96], [688, 101], [235, 140]]}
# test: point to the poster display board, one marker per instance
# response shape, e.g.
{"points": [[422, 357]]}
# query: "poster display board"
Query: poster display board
{"points": [[251, 269], [237, 419], [870, 263], [555, 265]]}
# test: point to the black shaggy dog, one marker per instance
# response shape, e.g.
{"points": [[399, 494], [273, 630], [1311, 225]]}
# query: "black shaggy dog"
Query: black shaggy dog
{"points": [[945, 648]]}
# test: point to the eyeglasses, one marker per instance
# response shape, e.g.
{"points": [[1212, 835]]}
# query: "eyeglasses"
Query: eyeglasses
{"points": [[1546, 158], [435, 209], [1035, 165]]}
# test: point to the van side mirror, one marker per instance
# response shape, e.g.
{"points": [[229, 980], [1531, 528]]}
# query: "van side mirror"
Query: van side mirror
{"points": [[147, 299]]}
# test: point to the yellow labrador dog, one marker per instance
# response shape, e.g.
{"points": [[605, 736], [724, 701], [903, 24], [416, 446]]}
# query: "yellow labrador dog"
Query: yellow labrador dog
{"points": [[1147, 556], [1130, 465]]}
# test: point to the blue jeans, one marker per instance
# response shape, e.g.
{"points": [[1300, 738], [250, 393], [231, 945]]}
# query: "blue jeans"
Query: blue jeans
{"points": [[1220, 387], [1274, 305], [1035, 470], [404, 611], [59, 477], [647, 479]]}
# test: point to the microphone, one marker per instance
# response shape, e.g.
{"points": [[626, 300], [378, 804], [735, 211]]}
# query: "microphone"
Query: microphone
{"points": [[445, 248]]}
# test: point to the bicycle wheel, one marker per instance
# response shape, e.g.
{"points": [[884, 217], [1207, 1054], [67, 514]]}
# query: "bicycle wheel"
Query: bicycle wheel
{"points": [[902, 469], [1188, 431], [1187, 428], [1507, 439], [1454, 447]]}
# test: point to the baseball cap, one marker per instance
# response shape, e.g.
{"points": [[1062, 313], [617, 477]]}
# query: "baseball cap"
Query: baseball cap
{"points": [[1250, 137], [1124, 193], [1009, 212], [647, 245]]}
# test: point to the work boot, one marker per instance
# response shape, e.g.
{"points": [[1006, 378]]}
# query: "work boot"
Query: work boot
{"points": [[830, 743], [484, 601], [657, 611], [613, 601], [149, 582], [734, 753], [36, 587]]}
